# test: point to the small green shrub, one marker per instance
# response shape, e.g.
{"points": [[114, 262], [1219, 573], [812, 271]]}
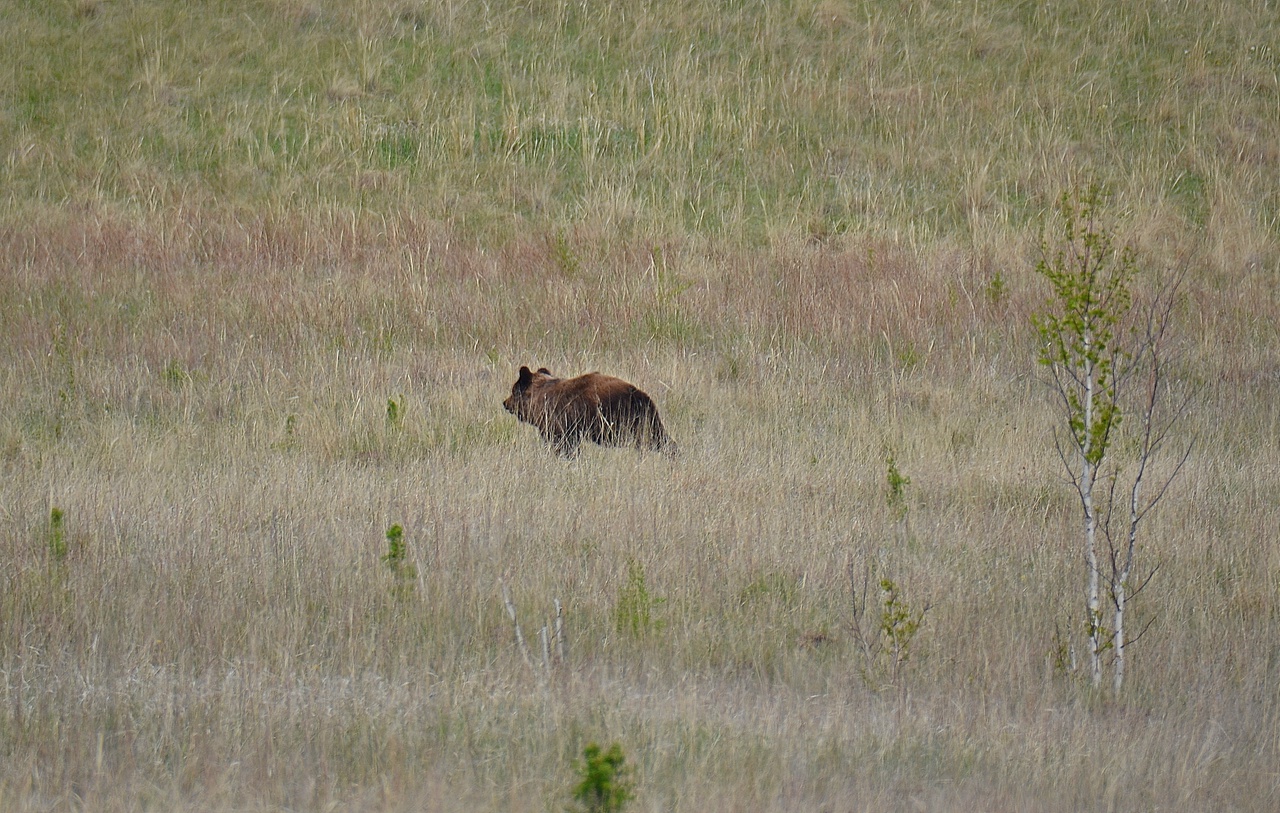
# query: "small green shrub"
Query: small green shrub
{"points": [[396, 558], [897, 483], [395, 415], [997, 290], [57, 535], [565, 257], [899, 625], [886, 638], [176, 375], [909, 358], [635, 605], [288, 440], [604, 783]]}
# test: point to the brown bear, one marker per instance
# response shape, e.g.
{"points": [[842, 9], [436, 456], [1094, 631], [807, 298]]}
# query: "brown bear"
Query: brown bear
{"points": [[594, 407]]}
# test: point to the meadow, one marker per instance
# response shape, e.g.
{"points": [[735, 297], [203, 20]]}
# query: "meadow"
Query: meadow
{"points": [[268, 269]]}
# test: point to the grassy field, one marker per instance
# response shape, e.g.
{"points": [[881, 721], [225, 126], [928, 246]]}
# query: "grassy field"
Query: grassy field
{"points": [[267, 271]]}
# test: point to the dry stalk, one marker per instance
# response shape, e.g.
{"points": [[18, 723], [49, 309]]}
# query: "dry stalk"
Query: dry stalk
{"points": [[511, 611]]}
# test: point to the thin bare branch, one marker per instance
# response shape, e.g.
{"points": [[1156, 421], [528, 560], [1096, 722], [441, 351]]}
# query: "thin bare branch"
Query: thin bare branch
{"points": [[1167, 482], [1135, 639], [1133, 592]]}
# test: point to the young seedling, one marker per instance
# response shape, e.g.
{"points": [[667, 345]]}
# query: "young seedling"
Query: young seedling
{"points": [[604, 783], [897, 489], [57, 535], [886, 639], [1104, 365], [396, 559], [635, 605]]}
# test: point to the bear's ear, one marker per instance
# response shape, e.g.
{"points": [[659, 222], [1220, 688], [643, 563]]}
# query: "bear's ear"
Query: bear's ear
{"points": [[543, 371], [525, 379]]}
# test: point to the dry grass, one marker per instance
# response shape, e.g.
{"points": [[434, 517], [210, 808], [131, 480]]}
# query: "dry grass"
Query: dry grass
{"points": [[228, 243], [223, 634]]}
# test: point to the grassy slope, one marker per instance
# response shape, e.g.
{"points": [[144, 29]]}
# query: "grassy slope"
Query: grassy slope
{"points": [[230, 233], [667, 117]]}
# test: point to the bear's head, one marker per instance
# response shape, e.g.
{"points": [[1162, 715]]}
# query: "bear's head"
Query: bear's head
{"points": [[518, 402]]}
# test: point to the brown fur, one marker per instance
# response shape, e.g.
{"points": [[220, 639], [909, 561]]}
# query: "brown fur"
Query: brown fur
{"points": [[594, 407]]}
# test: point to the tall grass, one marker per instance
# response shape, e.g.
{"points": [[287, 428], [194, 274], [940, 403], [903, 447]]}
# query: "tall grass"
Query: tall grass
{"points": [[223, 632], [231, 233]]}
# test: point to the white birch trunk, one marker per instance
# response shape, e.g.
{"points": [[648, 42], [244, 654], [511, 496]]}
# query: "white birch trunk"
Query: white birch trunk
{"points": [[511, 611], [1087, 477], [1092, 589], [1122, 577], [562, 646], [1117, 675]]}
